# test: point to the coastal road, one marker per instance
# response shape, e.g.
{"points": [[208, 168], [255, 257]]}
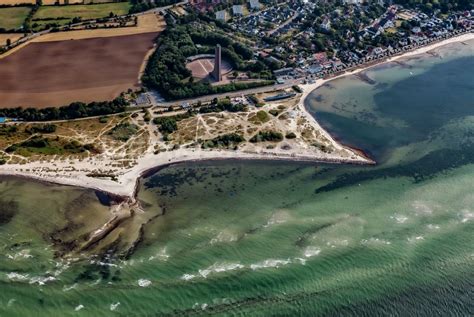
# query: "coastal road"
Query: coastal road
{"points": [[203, 99]]}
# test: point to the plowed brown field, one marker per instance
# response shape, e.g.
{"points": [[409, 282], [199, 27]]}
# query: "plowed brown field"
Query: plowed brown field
{"points": [[58, 73]]}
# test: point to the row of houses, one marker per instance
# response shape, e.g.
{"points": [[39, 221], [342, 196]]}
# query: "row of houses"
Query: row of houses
{"points": [[238, 10]]}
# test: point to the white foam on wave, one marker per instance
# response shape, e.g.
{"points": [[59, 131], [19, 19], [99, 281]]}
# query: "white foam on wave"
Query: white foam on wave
{"points": [[161, 255], [219, 268], [311, 251], [375, 241], [68, 288], [422, 208], [301, 260], [278, 217], [467, 216], [96, 282], [114, 306], [144, 283], [337, 243], [41, 280], [414, 239], [224, 236], [11, 302], [269, 263], [188, 277], [79, 307], [101, 263], [61, 266], [433, 227], [399, 218], [17, 277], [23, 254]]}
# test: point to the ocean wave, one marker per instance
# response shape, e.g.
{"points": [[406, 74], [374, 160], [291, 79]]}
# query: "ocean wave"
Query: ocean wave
{"points": [[337, 243], [188, 277], [399, 218], [415, 239], [79, 307], [224, 236], [23, 254], [41, 280], [219, 268], [268, 263], [17, 277], [68, 288], [203, 306], [311, 251], [375, 241], [101, 263], [274, 263], [278, 217], [422, 208], [466, 215], [61, 266], [301, 260], [161, 255], [144, 283], [114, 306]]}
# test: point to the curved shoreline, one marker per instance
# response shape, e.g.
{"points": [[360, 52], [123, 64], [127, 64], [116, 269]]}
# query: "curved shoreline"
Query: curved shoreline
{"points": [[149, 163]]}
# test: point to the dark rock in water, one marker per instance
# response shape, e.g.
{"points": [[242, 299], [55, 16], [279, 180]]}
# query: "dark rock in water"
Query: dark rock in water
{"points": [[381, 86], [104, 198], [8, 209], [365, 78]]}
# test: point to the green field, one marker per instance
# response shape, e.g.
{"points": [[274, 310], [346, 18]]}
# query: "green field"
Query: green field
{"points": [[86, 12], [13, 18]]}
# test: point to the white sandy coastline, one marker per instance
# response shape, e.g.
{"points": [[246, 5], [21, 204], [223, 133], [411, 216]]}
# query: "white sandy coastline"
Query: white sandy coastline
{"points": [[71, 173]]}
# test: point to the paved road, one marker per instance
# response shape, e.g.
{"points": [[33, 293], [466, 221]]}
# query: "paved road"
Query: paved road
{"points": [[239, 93], [283, 24]]}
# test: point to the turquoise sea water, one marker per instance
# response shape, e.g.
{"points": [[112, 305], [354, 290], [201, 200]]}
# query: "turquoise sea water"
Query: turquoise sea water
{"points": [[276, 238]]}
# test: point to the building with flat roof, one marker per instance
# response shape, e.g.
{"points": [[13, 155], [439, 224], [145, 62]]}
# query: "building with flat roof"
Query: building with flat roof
{"points": [[238, 10], [221, 15], [255, 5], [283, 71]]}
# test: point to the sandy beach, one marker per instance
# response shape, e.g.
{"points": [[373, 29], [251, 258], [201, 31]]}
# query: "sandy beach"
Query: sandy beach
{"points": [[74, 173]]}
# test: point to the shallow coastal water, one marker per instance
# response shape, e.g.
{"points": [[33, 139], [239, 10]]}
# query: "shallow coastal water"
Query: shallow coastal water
{"points": [[277, 238]]}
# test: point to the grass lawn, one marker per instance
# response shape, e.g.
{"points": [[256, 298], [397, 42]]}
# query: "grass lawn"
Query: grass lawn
{"points": [[86, 12], [13, 18]]}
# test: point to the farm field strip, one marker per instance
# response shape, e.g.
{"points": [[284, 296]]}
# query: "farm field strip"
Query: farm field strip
{"points": [[147, 23], [13, 18], [86, 12], [16, 2], [111, 65], [11, 36]]}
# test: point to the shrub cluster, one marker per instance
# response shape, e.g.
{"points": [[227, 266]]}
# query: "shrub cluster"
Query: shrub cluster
{"points": [[263, 136]]}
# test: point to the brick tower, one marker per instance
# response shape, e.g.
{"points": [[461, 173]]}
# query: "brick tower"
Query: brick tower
{"points": [[217, 73]]}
